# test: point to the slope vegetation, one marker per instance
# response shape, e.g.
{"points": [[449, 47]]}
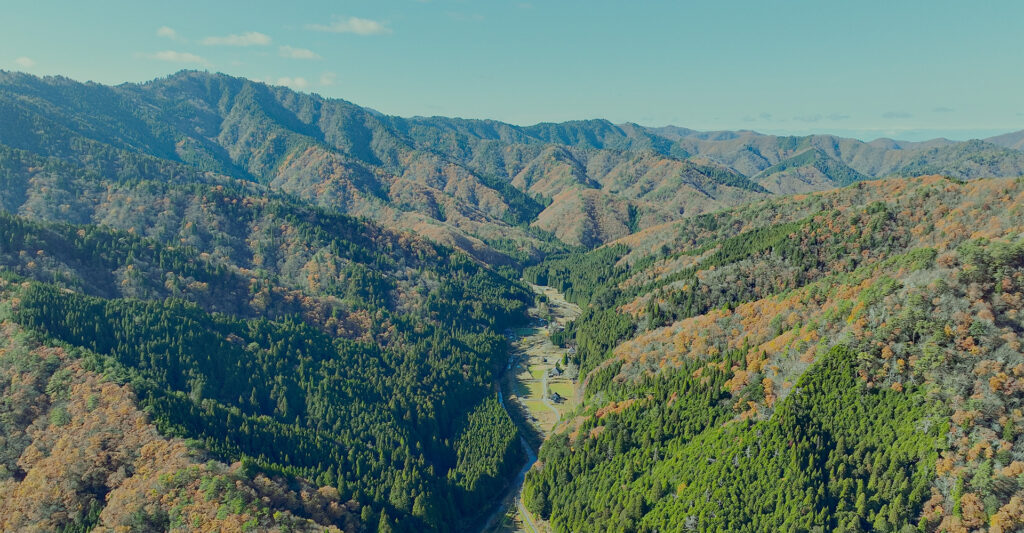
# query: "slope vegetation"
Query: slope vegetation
{"points": [[296, 340], [861, 345]]}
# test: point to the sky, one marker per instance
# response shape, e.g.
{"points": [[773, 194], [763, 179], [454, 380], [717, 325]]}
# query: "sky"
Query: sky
{"points": [[906, 69]]}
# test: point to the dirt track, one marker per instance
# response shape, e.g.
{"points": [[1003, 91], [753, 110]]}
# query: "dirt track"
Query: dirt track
{"points": [[528, 383]]}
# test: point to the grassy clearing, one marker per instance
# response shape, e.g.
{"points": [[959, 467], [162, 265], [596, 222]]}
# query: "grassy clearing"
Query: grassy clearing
{"points": [[539, 356], [520, 389], [563, 388]]}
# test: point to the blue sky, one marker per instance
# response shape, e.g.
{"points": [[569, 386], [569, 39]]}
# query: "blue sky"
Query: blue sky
{"points": [[904, 69]]}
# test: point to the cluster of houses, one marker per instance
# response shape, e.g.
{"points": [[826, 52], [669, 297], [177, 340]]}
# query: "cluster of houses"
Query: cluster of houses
{"points": [[553, 372]]}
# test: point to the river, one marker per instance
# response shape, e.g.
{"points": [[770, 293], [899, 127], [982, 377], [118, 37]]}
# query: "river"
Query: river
{"points": [[533, 354]]}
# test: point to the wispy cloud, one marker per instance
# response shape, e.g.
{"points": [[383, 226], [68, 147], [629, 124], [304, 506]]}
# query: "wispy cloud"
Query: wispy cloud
{"points": [[808, 118], [943, 110], [297, 53], [356, 25], [897, 114], [167, 32], [172, 56], [297, 82], [838, 116], [765, 116], [25, 62], [327, 79], [252, 38]]}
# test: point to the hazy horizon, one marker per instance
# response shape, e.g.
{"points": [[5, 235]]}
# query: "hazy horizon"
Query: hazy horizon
{"points": [[862, 135], [910, 71]]}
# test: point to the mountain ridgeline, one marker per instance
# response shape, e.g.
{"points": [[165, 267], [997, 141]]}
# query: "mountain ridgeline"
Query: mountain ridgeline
{"points": [[498, 191], [234, 306]]}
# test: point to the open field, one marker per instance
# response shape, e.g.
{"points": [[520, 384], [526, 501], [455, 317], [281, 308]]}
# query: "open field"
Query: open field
{"points": [[535, 356], [529, 384]]}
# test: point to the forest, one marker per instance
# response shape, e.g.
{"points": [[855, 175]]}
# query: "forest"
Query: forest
{"points": [[229, 305], [337, 377], [862, 346]]}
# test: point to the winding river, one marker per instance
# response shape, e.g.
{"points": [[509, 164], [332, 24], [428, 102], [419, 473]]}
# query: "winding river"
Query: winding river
{"points": [[536, 347]]}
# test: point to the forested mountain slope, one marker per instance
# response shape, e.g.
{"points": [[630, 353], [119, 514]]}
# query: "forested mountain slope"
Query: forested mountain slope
{"points": [[493, 189], [848, 360], [298, 340], [78, 453], [220, 272]]}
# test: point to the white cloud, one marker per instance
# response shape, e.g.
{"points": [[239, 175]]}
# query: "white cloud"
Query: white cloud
{"points": [[168, 32], [297, 82], [327, 79], [25, 62], [354, 25], [252, 38], [297, 53], [176, 57]]}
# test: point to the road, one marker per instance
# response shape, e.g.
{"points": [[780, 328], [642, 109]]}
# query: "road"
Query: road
{"points": [[547, 400], [517, 487], [539, 352], [527, 517]]}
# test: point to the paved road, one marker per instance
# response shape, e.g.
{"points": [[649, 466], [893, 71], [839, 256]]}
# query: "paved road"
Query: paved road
{"points": [[531, 458], [527, 518]]}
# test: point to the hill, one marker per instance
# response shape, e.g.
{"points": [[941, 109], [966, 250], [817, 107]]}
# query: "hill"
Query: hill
{"points": [[295, 340], [1013, 140], [861, 344]]}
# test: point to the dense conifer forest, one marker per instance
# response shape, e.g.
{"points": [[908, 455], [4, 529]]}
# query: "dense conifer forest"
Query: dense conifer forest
{"points": [[302, 343], [233, 306], [846, 361]]}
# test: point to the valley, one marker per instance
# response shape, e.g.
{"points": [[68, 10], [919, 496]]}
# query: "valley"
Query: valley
{"points": [[538, 377], [290, 312], [528, 384]]}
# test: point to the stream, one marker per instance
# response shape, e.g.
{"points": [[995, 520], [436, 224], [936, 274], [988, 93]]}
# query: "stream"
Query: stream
{"points": [[533, 349]]}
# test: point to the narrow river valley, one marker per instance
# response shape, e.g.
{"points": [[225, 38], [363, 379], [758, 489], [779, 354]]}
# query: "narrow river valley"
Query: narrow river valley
{"points": [[538, 390]]}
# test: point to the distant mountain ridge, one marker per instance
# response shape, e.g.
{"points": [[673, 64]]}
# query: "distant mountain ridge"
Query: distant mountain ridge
{"points": [[496, 190], [265, 274]]}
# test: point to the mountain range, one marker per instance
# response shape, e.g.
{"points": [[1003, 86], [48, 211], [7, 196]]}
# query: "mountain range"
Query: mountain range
{"points": [[234, 306], [498, 191]]}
